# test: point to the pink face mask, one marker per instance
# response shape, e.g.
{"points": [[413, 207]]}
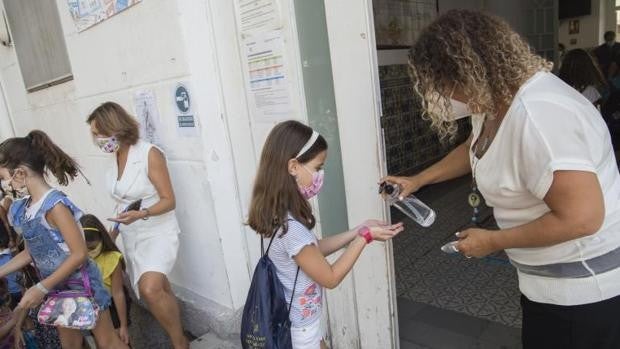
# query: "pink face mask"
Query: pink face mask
{"points": [[314, 188]]}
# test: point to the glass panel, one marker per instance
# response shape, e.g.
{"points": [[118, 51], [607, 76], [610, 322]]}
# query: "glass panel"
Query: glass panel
{"points": [[549, 15], [540, 20], [321, 106], [547, 42]]}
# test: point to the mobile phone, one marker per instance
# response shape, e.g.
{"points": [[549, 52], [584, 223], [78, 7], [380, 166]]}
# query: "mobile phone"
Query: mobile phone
{"points": [[134, 206]]}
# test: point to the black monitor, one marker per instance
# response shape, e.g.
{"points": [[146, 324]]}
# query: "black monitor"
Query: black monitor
{"points": [[574, 8]]}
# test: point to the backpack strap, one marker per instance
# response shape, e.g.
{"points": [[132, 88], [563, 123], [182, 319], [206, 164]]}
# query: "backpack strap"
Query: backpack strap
{"points": [[262, 247], [290, 304]]}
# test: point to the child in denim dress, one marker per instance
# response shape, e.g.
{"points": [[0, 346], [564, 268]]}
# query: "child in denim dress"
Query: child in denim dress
{"points": [[47, 220]]}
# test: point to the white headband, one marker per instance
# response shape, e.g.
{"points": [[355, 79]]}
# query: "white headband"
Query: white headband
{"points": [[309, 144]]}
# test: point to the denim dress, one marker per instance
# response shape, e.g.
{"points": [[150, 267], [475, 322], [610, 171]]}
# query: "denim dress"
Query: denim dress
{"points": [[44, 245]]}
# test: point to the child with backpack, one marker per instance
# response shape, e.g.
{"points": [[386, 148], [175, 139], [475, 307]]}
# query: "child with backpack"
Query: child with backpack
{"points": [[47, 221], [109, 259], [289, 174]]}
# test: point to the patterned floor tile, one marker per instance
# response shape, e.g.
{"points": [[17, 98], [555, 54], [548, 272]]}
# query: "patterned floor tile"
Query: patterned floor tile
{"points": [[485, 288]]}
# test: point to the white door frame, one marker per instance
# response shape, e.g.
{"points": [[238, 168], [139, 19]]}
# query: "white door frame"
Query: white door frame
{"points": [[362, 311]]}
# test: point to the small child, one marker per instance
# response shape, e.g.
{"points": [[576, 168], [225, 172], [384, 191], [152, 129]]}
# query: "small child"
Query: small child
{"points": [[109, 259], [289, 174]]}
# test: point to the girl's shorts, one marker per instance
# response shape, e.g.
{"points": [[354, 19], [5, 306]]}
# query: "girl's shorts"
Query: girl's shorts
{"points": [[307, 337]]}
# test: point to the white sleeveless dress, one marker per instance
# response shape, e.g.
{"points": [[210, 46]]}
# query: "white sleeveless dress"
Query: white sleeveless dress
{"points": [[148, 245]]}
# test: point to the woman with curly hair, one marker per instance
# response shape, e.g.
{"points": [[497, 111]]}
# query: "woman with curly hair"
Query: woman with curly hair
{"points": [[541, 156]]}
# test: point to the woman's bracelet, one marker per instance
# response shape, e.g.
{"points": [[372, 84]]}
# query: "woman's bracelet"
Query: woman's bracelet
{"points": [[147, 213]]}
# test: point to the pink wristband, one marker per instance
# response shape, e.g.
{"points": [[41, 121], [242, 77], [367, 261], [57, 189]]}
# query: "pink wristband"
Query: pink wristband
{"points": [[365, 233]]}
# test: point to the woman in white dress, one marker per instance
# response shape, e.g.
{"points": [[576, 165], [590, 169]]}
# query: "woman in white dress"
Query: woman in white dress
{"points": [[149, 232]]}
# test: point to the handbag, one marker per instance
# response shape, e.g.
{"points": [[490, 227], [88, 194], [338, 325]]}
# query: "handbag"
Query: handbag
{"points": [[75, 309]]}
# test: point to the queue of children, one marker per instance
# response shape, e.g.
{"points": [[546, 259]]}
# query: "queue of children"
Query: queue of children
{"points": [[62, 276]]}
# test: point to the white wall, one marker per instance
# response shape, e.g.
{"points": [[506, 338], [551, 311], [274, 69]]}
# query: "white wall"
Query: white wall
{"points": [[148, 46], [592, 27]]}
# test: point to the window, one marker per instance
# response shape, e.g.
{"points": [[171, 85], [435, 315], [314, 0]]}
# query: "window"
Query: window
{"points": [[39, 42]]}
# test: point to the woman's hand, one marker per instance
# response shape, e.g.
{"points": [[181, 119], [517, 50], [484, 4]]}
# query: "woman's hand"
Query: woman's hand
{"points": [[476, 242], [408, 185], [129, 217], [32, 298], [123, 333], [385, 232]]}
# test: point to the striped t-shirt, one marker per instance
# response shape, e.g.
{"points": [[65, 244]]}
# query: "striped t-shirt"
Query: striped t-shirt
{"points": [[308, 298]]}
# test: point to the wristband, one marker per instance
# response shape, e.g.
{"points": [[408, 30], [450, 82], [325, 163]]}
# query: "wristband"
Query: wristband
{"points": [[148, 213], [41, 288], [365, 233]]}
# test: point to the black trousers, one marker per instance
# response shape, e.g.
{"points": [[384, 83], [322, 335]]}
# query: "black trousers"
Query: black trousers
{"points": [[588, 326]]}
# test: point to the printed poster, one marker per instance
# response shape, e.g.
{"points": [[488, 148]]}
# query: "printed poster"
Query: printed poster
{"points": [[268, 85], [87, 13], [256, 16], [148, 116]]}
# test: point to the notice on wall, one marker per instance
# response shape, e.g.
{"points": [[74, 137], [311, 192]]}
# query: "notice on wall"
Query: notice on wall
{"points": [[258, 16], [147, 113], [184, 111], [87, 13], [268, 85]]}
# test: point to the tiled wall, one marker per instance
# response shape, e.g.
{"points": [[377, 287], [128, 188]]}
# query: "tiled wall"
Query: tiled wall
{"points": [[411, 145]]}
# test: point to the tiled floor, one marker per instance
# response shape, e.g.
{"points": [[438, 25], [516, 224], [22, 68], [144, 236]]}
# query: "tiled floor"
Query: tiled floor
{"points": [[428, 327], [482, 291]]}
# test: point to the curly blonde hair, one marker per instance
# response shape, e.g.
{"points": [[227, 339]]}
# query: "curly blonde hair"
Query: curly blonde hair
{"points": [[475, 52]]}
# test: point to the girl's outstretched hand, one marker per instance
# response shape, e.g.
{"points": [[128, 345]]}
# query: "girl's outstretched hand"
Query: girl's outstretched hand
{"points": [[385, 232]]}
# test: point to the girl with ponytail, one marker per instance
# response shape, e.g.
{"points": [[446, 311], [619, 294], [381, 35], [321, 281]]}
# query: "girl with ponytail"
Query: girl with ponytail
{"points": [[48, 222]]}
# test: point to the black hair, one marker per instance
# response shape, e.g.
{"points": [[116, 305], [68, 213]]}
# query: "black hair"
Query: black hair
{"points": [[5, 236], [609, 34], [579, 70]]}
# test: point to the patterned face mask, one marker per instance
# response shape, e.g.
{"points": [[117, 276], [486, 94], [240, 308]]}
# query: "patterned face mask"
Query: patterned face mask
{"points": [[317, 183], [108, 144]]}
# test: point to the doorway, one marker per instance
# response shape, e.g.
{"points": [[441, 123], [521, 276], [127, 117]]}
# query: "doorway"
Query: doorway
{"points": [[444, 301]]}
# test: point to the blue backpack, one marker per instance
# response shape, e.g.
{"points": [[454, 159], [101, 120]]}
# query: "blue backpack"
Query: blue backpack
{"points": [[265, 323]]}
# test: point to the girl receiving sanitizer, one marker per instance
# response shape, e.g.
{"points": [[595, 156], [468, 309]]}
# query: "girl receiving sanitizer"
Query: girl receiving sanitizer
{"points": [[289, 174]]}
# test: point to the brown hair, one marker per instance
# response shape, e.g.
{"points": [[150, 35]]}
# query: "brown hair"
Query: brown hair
{"points": [[275, 193], [90, 223], [579, 70], [113, 120], [37, 152], [476, 52]]}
